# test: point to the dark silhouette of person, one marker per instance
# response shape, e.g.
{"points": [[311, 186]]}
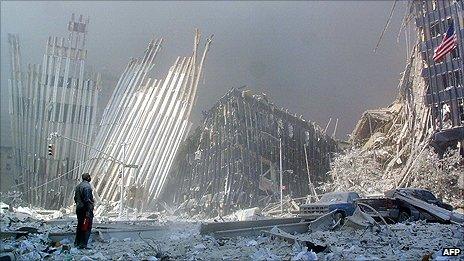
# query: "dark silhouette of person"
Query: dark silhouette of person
{"points": [[84, 210]]}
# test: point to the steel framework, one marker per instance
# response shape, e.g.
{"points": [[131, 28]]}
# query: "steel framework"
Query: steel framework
{"points": [[143, 125], [56, 96]]}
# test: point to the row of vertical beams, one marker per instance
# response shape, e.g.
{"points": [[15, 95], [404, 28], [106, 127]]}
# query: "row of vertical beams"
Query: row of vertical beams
{"points": [[143, 125], [56, 96], [227, 162]]}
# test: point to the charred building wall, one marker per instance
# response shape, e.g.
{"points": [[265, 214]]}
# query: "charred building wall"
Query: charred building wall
{"points": [[232, 160]]}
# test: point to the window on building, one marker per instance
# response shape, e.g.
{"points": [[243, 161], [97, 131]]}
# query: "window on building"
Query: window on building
{"points": [[425, 58], [434, 4], [65, 112], [290, 130], [445, 81], [455, 53], [449, 22], [422, 34], [434, 29], [457, 76], [461, 110], [423, 7]]}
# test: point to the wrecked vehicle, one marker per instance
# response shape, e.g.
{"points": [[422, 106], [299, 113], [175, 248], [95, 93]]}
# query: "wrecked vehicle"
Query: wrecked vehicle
{"points": [[394, 208], [343, 202], [422, 194], [409, 211], [388, 208]]}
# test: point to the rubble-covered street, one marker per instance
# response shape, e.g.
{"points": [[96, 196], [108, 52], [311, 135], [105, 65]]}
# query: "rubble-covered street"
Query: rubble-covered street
{"points": [[181, 240]]}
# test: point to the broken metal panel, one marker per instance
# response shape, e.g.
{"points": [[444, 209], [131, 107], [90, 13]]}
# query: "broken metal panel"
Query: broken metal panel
{"points": [[54, 97], [143, 125], [232, 160]]}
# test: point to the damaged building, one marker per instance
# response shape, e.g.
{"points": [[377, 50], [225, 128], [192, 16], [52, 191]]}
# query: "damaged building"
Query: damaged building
{"points": [[232, 160], [60, 96], [442, 72], [143, 125], [435, 103], [399, 144]]}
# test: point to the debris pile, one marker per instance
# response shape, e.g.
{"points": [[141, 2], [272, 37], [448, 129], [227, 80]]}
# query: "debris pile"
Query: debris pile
{"points": [[411, 241], [356, 238], [391, 146]]}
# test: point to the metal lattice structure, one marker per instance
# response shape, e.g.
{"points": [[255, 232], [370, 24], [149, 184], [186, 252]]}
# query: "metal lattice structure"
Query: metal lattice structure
{"points": [[143, 125], [56, 96], [232, 161]]}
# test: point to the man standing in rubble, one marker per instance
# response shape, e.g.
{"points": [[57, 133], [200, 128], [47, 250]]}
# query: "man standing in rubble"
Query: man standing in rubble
{"points": [[84, 210]]}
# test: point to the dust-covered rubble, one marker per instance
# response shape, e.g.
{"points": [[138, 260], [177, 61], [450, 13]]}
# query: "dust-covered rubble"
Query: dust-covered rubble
{"points": [[408, 241], [362, 170], [181, 240]]}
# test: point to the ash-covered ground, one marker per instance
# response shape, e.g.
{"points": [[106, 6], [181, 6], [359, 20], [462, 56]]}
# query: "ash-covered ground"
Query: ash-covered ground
{"points": [[181, 240]]}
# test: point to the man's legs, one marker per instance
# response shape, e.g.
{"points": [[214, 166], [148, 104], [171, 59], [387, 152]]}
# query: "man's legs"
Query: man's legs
{"points": [[79, 233], [86, 234]]}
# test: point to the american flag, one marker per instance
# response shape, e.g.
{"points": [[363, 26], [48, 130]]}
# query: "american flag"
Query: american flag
{"points": [[449, 42]]}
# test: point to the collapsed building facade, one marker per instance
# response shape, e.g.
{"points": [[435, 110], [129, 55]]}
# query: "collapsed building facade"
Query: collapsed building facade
{"points": [[142, 127], [232, 160], [58, 95]]}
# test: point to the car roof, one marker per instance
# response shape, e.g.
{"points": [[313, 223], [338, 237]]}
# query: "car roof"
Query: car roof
{"points": [[340, 193], [413, 189]]}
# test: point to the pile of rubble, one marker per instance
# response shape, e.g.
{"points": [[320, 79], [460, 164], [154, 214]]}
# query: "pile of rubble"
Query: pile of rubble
{"points": [[182, 240], [361, 171], [391, 145], [411, 241], [40, 247]]}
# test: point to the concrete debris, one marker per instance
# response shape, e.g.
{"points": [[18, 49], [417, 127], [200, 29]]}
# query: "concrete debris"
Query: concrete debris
{"points": [[305, 255], [328, 221], [251, 243], [441, 176], [359, 220], [248, 214], [292, 239], [182, 240], [264, 254], [440, 213]]}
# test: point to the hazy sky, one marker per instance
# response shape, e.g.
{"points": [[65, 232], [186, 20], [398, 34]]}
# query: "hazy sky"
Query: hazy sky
{"points": [[314, 58]]}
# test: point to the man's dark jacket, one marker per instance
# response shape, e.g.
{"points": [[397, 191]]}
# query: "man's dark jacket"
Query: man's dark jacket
{"points": [[84, 198]]}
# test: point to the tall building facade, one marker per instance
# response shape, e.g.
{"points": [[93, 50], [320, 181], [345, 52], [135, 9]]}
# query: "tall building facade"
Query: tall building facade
{"points": [[444, 78], [57, 96]]}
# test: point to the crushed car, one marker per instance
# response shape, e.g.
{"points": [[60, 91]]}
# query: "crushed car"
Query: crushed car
{"points": [[408, 204], [342, 202]]}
